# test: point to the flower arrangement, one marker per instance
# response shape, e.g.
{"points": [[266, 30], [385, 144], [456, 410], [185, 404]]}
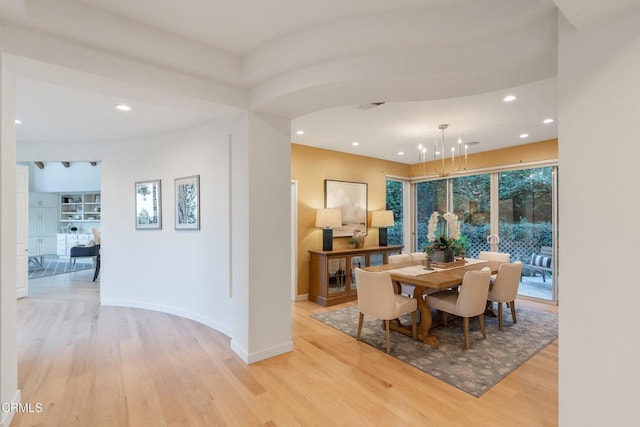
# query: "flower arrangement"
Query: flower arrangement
{"points": [[444, 235]]}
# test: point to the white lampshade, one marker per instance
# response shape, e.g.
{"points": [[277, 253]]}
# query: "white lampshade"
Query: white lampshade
{"points": [[328, 218], [382, 219]]}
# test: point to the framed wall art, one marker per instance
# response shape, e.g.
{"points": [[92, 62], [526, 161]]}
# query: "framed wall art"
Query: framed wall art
{"points": [[148, 205], [351, 199], [188, 203]]}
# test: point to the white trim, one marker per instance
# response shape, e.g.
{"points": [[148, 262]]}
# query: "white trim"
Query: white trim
{"points": [[230, 204], [6, 417], [398, 178], [294, 239], [225, 329], [492, 169], [263, 354]]}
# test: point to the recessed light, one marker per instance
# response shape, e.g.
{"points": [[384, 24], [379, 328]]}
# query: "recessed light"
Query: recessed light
{"points": [[400, 153], [123, 107], [18, 121], [355, 143], [300, 132], [524, 135], [547, 121], [509, 98]]}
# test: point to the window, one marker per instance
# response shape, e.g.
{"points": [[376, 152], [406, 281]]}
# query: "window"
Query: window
{"points": [[395, 203]]}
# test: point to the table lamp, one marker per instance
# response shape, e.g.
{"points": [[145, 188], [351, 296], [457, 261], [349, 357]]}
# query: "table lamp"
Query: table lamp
{"points": [[327, 219], [382, 220]]}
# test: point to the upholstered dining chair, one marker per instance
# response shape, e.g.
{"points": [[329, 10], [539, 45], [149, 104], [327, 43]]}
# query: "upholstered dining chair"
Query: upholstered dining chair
{"points": [[376, 298], [494, 256], [418, 256], [505, 289], [395, 259], [405, 288], [469, 302]]}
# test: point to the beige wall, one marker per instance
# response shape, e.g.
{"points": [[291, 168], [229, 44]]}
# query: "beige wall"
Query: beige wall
{"points": [[311, 166]]}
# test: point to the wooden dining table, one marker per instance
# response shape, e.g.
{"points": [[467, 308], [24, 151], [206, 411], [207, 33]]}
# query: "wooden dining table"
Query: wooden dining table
{"points": [[438, 279]]}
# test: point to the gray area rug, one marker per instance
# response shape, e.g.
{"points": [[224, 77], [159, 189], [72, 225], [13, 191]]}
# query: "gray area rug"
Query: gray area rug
{"points": [[51, 268], [474, 371]]}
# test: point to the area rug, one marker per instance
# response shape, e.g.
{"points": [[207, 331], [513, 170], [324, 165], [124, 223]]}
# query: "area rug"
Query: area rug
{"points": [[51, 268], [475, 370]]}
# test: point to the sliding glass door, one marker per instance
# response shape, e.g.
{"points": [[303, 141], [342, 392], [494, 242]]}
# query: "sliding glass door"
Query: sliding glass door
{"points": [[472, 204], [526, 214], [431, 196], [511, 211]]}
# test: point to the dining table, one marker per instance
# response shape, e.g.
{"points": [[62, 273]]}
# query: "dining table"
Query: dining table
{"points": [[414, 273]]}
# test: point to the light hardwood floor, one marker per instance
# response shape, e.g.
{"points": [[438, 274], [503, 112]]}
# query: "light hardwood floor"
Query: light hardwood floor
{"points": [[105, 366]]}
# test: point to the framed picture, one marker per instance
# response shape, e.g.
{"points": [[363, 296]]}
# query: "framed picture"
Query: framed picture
{"points": [[188, 203], [148, 205], [351, 199]]}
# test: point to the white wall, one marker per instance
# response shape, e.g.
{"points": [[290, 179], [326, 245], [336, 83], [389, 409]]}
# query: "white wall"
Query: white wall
{"points": [[55, 178], [599, 112], [261, 252], [8, 355], [179, 272]]}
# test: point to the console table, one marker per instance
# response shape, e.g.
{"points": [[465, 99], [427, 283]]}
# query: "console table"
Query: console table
{"points": [[332, 273]]}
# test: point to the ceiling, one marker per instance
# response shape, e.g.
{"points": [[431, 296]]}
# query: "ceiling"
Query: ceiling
{"points": [[431, 61]]}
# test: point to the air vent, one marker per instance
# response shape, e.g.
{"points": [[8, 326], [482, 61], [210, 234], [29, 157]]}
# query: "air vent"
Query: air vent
{"points": [[369, 106]]}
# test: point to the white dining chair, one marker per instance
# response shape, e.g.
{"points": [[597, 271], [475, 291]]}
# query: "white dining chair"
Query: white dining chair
{"points": [[405, 288], [398, 258], [418, 256], [494, 256], [376, 298], [505, 289], [469, 302]]}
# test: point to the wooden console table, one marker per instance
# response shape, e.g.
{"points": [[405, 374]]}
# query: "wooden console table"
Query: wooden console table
{"points": [[331, 273]]}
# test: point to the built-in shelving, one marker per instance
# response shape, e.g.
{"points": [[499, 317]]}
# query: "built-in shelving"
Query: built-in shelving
{"points": [[75, 207]]}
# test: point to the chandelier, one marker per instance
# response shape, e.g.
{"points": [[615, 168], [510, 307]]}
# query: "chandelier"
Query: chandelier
{"points": [[459, 153]]}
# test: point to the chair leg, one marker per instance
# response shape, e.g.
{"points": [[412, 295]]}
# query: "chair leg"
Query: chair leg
{"points": [[414, 325], [386, 327], [513, 312], [500, 315], [466, 334], [360, 320], [482, 327], [444, 318]]}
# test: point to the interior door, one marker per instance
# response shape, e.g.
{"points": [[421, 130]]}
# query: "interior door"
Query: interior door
{"points": [[22, 231]]}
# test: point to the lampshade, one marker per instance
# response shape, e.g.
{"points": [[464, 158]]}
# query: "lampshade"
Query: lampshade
{"points": [[382, 219], [328, 218]]}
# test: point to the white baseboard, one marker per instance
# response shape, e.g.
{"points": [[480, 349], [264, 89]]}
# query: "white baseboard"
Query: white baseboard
{"points": [[225, 329], [262, 354], [6, 417]]}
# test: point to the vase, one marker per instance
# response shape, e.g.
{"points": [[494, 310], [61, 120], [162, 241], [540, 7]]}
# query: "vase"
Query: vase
{"points": [[445, 255], [359, 237]]}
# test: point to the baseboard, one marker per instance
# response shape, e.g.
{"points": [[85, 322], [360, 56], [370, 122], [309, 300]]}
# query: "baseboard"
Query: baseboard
{"points": [[262, 354], [303, 297], [6, 417], [225, 329]]}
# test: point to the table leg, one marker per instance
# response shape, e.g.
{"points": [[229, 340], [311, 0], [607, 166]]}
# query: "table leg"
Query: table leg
{"points": [[425, 319]]}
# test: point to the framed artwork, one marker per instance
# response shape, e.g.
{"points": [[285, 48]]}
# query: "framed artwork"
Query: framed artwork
{"points": [[351, 199], [188, 203], [148, 205]]}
